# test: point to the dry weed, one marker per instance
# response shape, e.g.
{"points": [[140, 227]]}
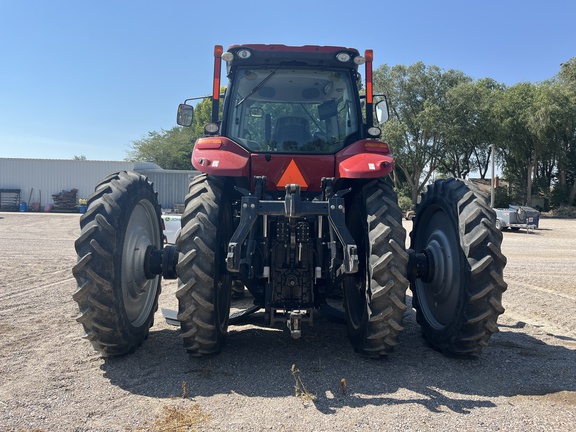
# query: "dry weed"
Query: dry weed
{"points": [[180, 419], [299, 388]]}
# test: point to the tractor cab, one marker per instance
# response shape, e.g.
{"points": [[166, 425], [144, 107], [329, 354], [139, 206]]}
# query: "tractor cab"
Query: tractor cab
{"points": [[273, 110], [291, 105]]}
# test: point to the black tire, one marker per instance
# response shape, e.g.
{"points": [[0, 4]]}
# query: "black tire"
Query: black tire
{"points": [[458, 306], [204, 285], [116, 301], [375, 296]]}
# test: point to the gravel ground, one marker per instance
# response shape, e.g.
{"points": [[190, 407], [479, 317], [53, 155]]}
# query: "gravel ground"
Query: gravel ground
{"points": [[51, 379]]}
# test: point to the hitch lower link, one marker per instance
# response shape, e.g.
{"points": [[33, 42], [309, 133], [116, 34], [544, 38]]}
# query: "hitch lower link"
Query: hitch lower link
{"points": [[331, 205]]}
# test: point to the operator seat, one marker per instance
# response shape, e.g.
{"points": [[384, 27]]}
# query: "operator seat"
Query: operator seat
{"points": [[291, 133]]}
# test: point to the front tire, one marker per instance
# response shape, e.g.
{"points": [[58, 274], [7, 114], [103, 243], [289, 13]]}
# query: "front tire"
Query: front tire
{"points": [[374, 297], [116, 301], [204, 284], [458, 304]]}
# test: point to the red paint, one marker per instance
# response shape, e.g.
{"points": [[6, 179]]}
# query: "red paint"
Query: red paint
{"points": [[311, 167], [221, 156], [364, 160]]}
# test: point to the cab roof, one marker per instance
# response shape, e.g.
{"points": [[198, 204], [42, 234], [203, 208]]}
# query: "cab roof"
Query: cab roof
{"points": [[306, 55]]}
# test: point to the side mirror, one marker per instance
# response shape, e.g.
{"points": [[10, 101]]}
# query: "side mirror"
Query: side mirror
{"points": [[185, 115], [382, 111]]}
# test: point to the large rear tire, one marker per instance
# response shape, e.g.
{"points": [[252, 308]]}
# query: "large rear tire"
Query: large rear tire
{"points": [[374, 297], [204, 285], [116, 301], [458, 305]]}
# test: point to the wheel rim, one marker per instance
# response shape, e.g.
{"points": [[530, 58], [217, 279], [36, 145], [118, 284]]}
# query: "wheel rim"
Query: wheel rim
{"points": [[438, 295], [355, 285], [138, 292]]}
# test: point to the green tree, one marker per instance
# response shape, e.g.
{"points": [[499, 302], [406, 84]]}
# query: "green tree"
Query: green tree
{"points": [[172, 149], [539, 139], [567, 74], [552, 121], [169, 149], [203, 115], [519, 144], [417, 129], [470, 127], [565, 95]]}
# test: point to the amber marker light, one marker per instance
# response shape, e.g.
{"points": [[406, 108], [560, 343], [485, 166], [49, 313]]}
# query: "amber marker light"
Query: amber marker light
{"points": [[378, 147], [208, 143]]}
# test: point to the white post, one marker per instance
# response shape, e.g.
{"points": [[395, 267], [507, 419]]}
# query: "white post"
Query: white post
{"points": [[492, 182]]}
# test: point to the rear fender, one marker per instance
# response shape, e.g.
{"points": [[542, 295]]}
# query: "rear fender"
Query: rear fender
{"points": [[217, 155], [364, 159]]}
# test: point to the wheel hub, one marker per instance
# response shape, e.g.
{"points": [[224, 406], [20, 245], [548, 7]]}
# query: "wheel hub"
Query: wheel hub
{"points": [[441, 276], [138, 290], [138, 245], [435, 271]]}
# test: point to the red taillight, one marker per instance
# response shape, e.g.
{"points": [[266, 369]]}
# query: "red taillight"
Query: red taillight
{"points": [[208, 143], [377, 147]]}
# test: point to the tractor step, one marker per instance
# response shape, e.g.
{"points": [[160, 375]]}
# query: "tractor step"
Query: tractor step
{"points": [[171, 316]]}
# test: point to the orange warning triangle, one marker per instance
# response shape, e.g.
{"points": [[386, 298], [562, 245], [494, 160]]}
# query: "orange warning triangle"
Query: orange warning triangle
{"points": [[292, 175]]}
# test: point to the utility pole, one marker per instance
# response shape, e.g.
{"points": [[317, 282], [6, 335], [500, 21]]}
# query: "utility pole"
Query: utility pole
{"points": [[492, 182]]}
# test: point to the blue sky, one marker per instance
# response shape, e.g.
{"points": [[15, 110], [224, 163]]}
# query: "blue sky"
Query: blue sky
{"points": [[88, 77]]}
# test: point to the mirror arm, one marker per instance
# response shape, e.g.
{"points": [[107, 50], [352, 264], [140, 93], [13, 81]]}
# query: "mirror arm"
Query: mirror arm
{"points": [[197, 98]]}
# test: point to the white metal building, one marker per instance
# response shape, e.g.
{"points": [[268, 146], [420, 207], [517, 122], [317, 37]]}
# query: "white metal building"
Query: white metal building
{"points": [[39, 179]]}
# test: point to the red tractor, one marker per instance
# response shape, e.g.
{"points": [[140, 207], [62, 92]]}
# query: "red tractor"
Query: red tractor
{"points": [[292, 203]]}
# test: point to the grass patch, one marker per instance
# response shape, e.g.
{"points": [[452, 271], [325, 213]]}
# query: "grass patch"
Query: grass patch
{"points": [[180, 419]]}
